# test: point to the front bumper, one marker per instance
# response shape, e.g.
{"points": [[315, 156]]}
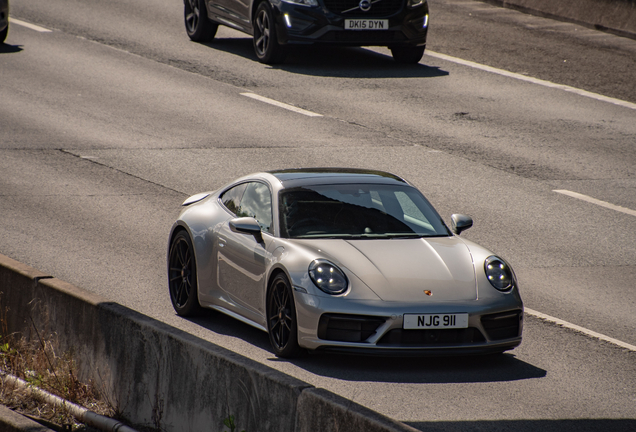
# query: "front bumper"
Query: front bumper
{"points": [[376, 327], [301, 25]]}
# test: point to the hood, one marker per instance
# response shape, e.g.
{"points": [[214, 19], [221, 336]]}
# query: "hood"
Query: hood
{"points": [[401, 270]]}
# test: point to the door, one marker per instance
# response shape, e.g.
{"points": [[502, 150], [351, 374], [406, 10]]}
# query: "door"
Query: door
{"points": [[242, 260]]}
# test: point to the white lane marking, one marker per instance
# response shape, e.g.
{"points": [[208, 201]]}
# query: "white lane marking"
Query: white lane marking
{"points": [[580, 329], [281, 105], [533, 80], [29, 25], [595, 201]]}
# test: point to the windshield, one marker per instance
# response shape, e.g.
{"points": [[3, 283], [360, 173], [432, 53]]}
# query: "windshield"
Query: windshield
{"points": [[352, 211]]}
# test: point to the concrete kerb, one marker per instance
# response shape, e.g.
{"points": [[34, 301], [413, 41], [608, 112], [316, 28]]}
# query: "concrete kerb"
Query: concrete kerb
{"points": [[612, 16], [160, 376]]}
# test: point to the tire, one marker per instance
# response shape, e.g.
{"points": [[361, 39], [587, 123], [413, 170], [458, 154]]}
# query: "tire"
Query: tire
{"points": [[266, 45], [182, 276], [408, 55], [281, 318], [198, 26], [3, 34]]}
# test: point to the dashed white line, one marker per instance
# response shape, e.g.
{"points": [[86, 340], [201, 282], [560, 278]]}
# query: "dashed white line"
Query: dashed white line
{"points": [[532, 80], [37, 28], [596, 201], [580, 329], [281, 105]]}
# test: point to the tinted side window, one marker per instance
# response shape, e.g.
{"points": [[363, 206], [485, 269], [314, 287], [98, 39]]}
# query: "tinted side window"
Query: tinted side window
{"points": [[231, 198], [257, 203]]}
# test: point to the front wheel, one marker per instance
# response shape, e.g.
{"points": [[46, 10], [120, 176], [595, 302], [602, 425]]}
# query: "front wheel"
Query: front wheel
{"points": [[281, 318], [198, 26], [266, 45], [408, 54], [182, 276]]}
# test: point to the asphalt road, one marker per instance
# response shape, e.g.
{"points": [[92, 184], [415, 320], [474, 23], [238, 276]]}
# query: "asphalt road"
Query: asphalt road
{"points": [[109, 121]]}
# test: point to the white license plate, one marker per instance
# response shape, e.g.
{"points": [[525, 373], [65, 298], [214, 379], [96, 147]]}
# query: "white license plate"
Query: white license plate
{"points": [[366, 24], [435, 321]]}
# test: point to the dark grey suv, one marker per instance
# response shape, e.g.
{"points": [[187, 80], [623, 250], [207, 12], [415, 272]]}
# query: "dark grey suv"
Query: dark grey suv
{"points": [[4, 20], [401, 25]]}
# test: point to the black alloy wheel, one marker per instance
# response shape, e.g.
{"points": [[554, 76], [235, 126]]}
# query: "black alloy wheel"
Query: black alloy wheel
{"points": [[281, 318], [408, 54], [182, 276], [266, 45], [197, 24]]}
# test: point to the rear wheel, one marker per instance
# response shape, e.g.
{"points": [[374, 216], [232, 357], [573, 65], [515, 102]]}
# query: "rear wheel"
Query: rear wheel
{"points": [[281, 318], [266, 45], [182, 276], [197, 24], [408, 54]]}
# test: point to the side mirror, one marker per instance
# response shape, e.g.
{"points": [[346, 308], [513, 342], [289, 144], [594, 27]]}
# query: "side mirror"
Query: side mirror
{"points": [[247, 225], [460, 222]]}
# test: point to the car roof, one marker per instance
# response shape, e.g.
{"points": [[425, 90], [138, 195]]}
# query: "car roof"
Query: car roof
{"points": [[304, 176]]}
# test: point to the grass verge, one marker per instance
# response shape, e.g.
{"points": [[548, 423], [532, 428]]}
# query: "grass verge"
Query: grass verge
{"points": [[38, 364]]}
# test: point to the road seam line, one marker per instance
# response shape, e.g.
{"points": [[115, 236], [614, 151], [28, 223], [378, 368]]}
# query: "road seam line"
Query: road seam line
{"points": [[281, 105], [532, 80], [37, 28], [596, 201], [580, 329]]}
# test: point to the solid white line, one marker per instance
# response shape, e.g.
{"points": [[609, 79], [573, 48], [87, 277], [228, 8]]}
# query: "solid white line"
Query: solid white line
{"points": [[580, 329], [29, 25], [532, 80], [281, 105], [595, 201]]}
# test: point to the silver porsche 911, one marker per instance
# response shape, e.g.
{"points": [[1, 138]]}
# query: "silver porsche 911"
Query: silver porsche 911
{"points": [[342, 260]]}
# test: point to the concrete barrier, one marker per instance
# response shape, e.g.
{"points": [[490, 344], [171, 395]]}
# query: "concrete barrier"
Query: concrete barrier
{"points": [[157, 375], [613, 16], [14, 422], [322, 410]]}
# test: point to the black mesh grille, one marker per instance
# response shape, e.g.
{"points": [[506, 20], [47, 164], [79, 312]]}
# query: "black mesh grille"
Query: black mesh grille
{"points": [[502, 325], [381, 8], [437, 337], [348, 328]]}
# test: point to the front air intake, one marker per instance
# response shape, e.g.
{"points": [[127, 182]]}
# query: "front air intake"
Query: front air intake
{"points": [[502, 325], [348, 328]]}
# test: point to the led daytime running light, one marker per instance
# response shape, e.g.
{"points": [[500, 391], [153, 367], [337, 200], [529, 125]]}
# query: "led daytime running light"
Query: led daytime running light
{"points": [[328, 277]]}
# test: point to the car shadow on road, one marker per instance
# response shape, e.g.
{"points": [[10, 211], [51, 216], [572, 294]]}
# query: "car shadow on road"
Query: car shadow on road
{"points": [[421, 370], [413, 370], [338, 62], [9, 49], [578, 425]]}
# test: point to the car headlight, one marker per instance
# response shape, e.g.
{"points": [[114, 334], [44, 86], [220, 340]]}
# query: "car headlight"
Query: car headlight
{"points": [[499, 273], [303, 2], [328, 277]]}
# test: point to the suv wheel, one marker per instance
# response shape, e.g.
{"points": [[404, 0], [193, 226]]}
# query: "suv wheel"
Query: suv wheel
{"points": [[266, 45], [408, 54], [197, 24]]}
